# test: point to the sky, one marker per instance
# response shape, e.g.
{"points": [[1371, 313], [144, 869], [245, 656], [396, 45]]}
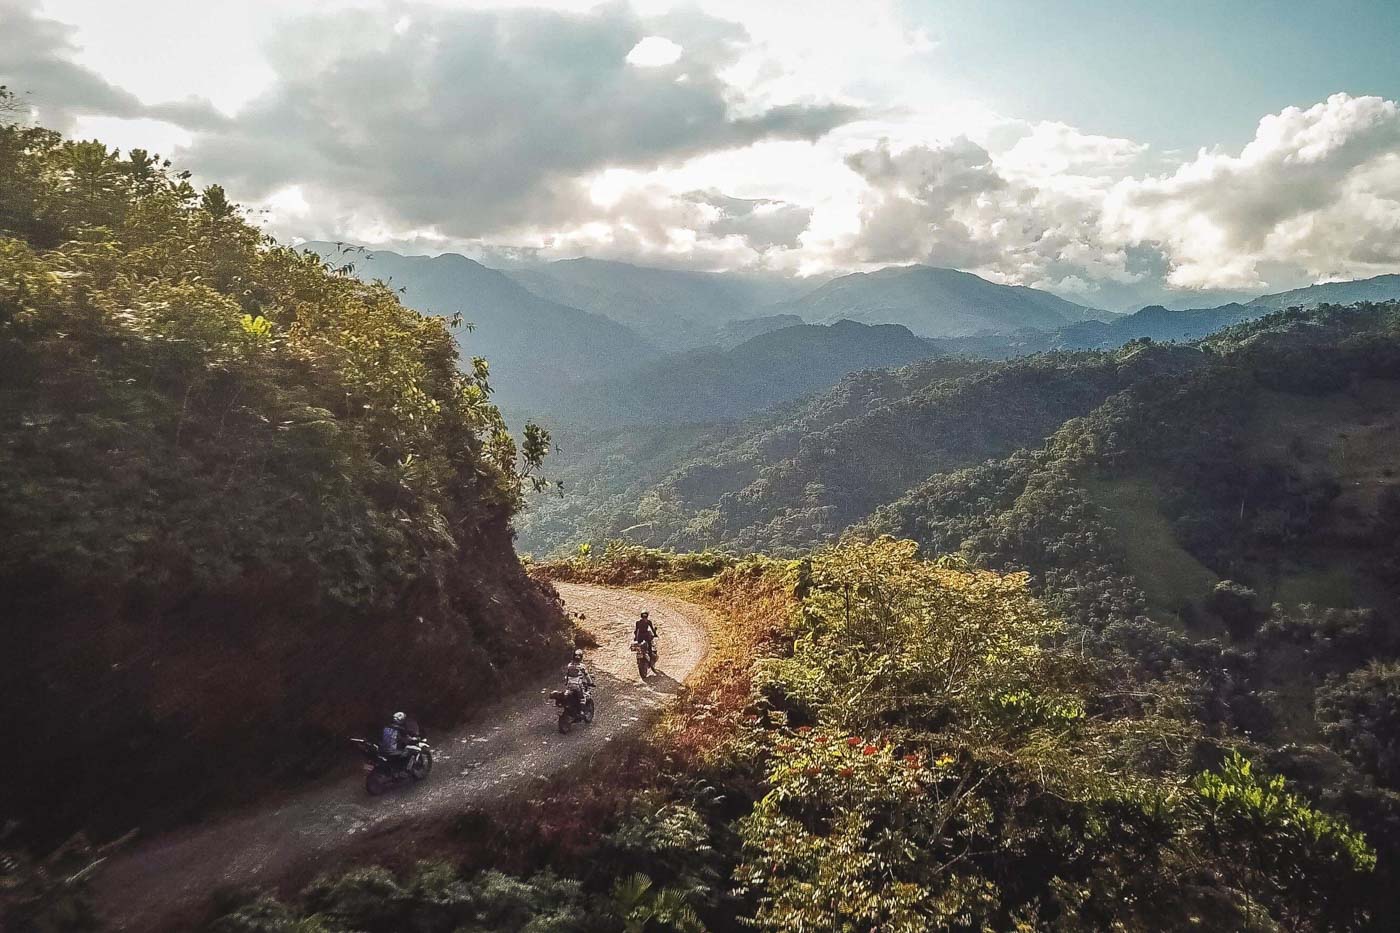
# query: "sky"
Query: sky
{"points": [[1116, 152]]}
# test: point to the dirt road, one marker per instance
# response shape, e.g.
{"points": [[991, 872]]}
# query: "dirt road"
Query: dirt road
{"points": [[506, 747]]}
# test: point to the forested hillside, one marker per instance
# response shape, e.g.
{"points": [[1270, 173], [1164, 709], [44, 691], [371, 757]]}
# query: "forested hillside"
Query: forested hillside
{"points": [[1240, 520], [730, 384], [1213, 526], [250, 504], [797, 477], [1271, 464], [626, 481]]}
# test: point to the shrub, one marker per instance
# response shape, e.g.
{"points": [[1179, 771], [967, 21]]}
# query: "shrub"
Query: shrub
{"points": [[1360, 716], [1234, 604]]}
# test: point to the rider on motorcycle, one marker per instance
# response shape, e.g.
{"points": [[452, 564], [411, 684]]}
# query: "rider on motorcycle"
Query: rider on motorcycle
{"points": [[576, 674], [645, 631], [396, 736], [578, 683]]}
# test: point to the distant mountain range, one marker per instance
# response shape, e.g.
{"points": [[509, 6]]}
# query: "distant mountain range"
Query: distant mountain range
{"points": [[538, 349], [673, 309], [934, 302], [1162, 325], [1379, 288], [1154, 323], [608, 343]]}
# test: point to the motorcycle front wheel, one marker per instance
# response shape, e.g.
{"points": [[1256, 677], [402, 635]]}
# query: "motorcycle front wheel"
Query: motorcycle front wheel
{"points": [[588, 711], [377, 782], [422, 764]]}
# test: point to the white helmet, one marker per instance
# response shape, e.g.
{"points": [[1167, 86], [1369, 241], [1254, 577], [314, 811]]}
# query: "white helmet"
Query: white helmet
{"points": [[578, 654], [399, 717]]}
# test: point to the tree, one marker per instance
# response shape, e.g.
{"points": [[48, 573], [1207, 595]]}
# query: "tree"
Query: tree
{"points": [[1360, 716], [1277, 848]]}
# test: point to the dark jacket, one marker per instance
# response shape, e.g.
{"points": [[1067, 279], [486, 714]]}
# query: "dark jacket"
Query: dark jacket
{"points": [[396, 736]]}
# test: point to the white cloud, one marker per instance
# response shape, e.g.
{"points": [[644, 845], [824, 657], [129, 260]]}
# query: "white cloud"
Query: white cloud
{"points": [[1053, 149], [1315, 188], [485, 122], [38, 58], [654, 52], [807, 135]]}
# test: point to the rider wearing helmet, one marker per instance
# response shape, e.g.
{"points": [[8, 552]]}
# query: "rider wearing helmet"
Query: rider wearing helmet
{"points": [[645, 630], [396, 735], [576, 673]]}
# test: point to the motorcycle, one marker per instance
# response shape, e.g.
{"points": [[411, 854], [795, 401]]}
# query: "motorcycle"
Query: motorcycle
{"points": [[646, 657], [383, 771], [575, 705]]}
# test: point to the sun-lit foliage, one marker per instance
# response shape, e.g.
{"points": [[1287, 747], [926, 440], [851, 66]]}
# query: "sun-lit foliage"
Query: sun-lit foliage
{"points": [[218, 457], [936, 758]]}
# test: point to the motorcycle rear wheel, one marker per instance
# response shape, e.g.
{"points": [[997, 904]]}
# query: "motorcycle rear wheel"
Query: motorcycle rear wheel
{"points": [[376, 783], [566, 722], [642, 664]]}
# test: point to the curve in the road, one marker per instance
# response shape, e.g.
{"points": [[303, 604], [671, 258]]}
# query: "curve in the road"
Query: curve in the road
{"points": [[505, 748]]}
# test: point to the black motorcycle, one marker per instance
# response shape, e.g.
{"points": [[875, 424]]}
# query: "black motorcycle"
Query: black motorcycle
{"points": [[384, 771], [646, 657], [575, 705]]}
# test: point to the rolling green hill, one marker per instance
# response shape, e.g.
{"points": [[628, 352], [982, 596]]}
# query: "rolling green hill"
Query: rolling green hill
{"points": [[1269, 464], [1249, 506], [795, 477], [639, 490], [730, 384]]}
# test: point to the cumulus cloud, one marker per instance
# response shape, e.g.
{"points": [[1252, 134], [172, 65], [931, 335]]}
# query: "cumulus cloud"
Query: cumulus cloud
{"points": [[1051, 149], [37, 61], [1315, 188], [1315, 195], [762, 223], [698, 229], [487, 121], [956, 205], [915, 200]]}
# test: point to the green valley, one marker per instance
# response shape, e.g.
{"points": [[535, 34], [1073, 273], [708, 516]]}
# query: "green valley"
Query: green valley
{"points": [[674, 467]]}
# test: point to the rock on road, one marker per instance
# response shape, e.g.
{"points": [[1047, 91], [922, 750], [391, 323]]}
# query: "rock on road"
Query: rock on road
{"points": [[508, 745]]}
